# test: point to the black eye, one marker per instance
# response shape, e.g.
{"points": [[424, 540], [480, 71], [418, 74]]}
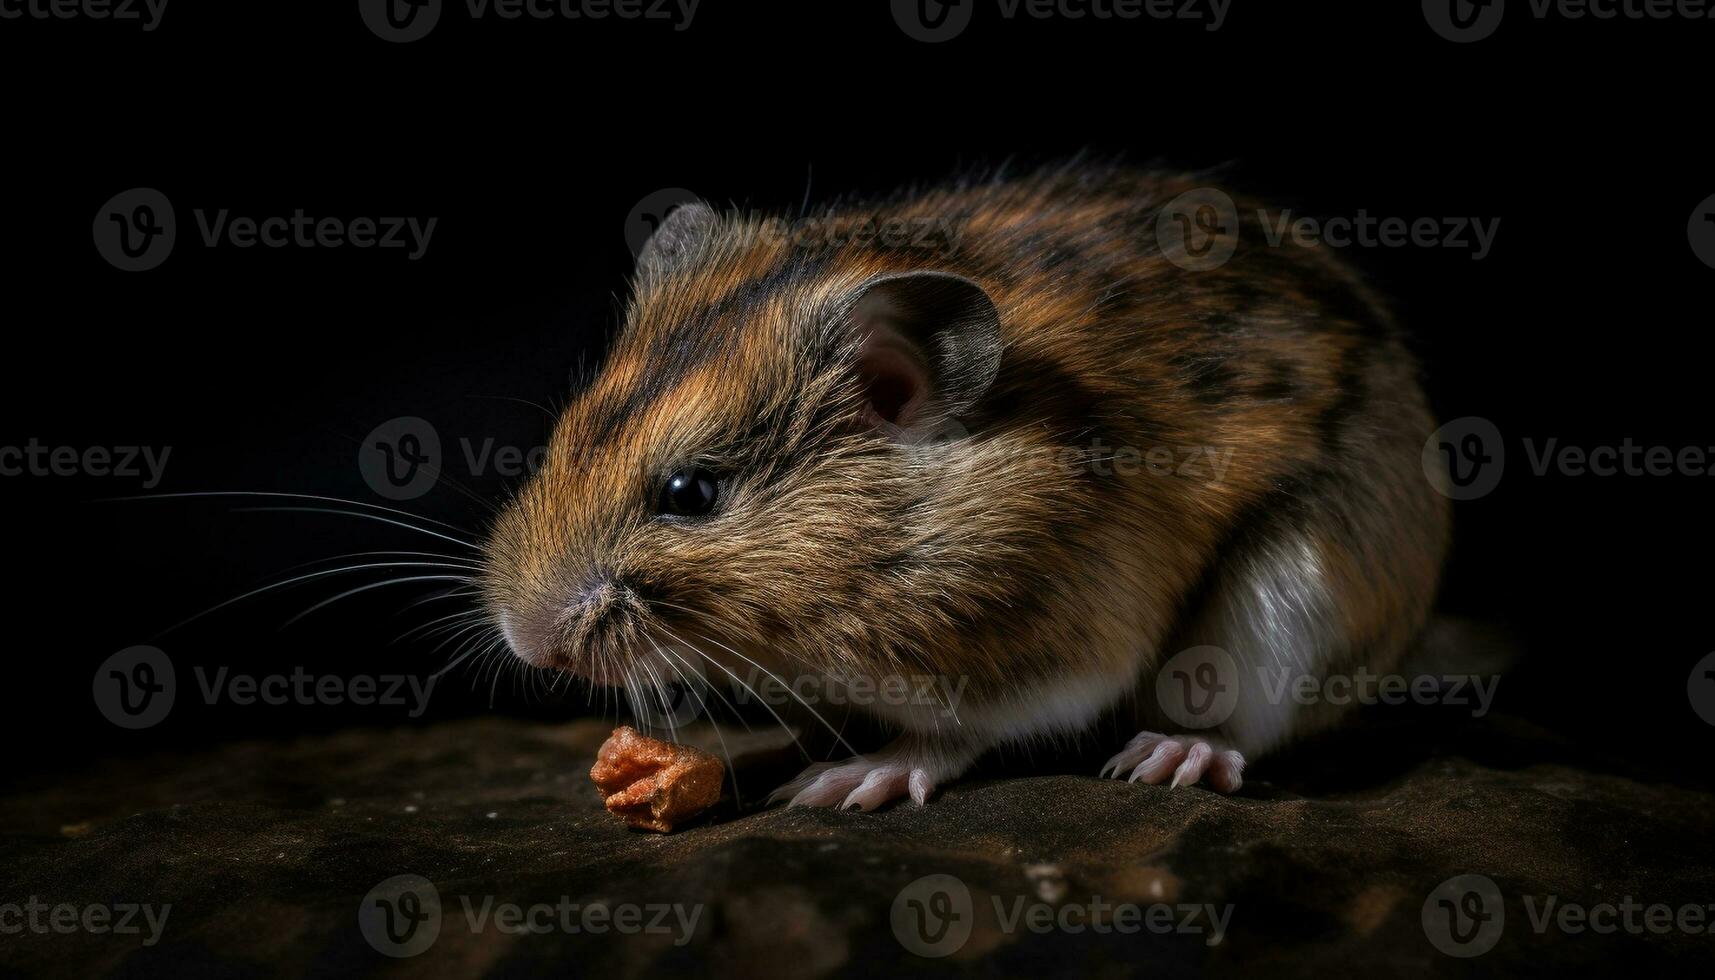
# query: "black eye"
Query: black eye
{"points": [[689, 493]]}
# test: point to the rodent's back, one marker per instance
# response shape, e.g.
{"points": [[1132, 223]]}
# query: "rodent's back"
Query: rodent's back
{"points": [[1280, 362]]}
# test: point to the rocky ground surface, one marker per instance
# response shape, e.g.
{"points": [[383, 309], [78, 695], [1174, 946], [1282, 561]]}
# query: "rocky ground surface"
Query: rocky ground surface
{"points": [[285, 857]]}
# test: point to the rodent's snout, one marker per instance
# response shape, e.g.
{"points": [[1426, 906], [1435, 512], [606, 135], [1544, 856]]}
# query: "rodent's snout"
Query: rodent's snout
{"points": [[583, 630]]}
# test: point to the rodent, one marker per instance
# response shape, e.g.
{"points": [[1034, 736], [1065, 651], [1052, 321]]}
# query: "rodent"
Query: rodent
{"points": [[749, 473]]}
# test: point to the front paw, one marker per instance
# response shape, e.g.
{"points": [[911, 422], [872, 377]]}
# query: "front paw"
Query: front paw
{"points": [[902, 769], [1152, 757]]}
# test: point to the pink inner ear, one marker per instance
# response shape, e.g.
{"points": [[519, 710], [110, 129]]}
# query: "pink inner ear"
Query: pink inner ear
{"points": [[895, 381]]}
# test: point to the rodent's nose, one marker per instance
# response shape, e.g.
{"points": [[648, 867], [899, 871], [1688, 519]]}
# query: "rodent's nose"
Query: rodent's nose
{"points": [[600, 597], [557, 632], [596, 591]]}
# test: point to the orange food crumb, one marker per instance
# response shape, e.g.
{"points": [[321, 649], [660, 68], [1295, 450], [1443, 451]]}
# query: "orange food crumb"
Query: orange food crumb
{"points": [[653, 785]]}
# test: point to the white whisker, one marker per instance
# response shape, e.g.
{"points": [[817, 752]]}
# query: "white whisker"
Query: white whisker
{"points": [[301, 578], [373, 585]]}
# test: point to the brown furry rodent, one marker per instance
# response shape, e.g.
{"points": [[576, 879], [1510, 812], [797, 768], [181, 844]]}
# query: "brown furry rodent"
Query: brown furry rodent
{"points": [[866, 458]]}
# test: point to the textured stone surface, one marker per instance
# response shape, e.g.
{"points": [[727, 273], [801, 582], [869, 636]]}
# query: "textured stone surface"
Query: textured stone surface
{"points": [[267, 850]]}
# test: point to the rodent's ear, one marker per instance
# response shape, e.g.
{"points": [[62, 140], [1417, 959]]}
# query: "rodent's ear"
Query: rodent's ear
{"points": [[677, 238], [928, 347]]}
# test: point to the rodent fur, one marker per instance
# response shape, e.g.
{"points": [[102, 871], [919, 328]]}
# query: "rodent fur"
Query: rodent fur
{"points": [[846, 547]]}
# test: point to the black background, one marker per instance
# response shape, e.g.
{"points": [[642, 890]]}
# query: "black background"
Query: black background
{"points": [[530, 142]]}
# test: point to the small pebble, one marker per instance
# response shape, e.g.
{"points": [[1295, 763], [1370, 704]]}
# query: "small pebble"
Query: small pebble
{"points": [[1050, 881]]}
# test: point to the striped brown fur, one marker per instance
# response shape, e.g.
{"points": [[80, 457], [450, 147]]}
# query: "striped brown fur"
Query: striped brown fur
{"points": [[837, 549]]}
